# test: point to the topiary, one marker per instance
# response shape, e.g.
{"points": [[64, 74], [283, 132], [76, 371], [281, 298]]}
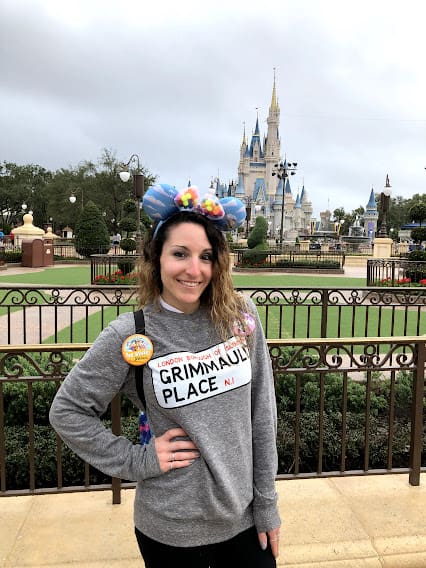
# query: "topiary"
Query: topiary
{"points": [[257, 236], [91, 232]]}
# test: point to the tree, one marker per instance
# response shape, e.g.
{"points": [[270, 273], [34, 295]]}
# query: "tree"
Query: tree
{"points": [[339, 214], [91, 232], [128, 224], [350, 218], [418, 234], [18, 185], [99, 183], [47, 193], [417, 212]]}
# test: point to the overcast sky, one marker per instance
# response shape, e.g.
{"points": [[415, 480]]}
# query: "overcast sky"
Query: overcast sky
{"points": [[174, 82]]}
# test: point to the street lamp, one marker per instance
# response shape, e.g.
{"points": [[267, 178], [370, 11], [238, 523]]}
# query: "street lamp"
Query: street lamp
{"points": [[384, 209], [282, 171], [248, 214], [231, 188], [73, 198], [138, 187]]}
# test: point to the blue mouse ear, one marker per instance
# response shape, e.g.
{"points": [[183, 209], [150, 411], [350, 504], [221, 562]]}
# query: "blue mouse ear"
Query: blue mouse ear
{"points": [[159, 201], [235, 213]]}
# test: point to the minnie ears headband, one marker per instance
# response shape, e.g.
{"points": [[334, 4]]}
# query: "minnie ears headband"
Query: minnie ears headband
{"points": [[162, 201]]}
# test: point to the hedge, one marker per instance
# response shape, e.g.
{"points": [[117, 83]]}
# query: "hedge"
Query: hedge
{"points": [[16, 432], [17, 441], [17, 457]]}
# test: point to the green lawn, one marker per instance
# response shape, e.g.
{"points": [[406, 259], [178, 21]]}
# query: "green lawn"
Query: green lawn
{"points": [[93, 324], [303, 322], [55, 276], [283, 280]]}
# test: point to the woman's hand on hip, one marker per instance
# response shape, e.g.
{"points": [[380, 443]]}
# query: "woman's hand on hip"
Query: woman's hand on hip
{"points": [[273, 537], [174, 454]]}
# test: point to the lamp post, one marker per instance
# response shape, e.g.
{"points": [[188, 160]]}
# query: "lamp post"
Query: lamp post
{"points": [[73, 198], [282, 171], [248, 215], [231, 188], [384, 209], [138, 187]]}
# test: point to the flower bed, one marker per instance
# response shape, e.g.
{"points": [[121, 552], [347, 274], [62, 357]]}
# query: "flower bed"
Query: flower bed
{"points": [[117, 277], [401, 282]]}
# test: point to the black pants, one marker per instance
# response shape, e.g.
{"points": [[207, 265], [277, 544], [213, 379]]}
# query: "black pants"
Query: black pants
{"points": [[242, 551]]}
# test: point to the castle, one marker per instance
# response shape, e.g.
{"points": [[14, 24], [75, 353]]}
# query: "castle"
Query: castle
{"points": [[264, 193], [270, 196]]}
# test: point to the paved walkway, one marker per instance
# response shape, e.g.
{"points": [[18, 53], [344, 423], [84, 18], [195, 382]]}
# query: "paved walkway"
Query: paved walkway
{"points": [[354, 522], [54, 317]]}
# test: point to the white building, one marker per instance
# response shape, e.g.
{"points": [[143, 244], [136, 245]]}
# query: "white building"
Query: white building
{"points": [[265, 194]]}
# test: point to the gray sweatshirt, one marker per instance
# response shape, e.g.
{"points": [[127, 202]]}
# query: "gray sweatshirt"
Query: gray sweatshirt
{"points": [[220, 393]]}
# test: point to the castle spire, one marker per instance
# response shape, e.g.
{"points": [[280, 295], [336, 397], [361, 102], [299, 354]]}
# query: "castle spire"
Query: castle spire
{"points": [[256, 128], [244, 142], [274, 100]]}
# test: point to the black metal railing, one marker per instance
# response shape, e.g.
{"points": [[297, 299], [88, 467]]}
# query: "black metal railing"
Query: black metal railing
{"points": [[40, 314], [396, 272], [389, 443], [106, 266]]}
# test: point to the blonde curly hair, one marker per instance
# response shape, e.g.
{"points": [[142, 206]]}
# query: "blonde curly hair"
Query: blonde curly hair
{"points": [[224, 304]]}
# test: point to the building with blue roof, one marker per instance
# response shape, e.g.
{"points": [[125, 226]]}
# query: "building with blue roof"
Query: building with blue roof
{"points": [[264, 193], [267, 195]]}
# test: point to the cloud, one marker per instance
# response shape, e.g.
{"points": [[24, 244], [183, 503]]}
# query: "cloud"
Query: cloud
{"points": [[174, 82]]}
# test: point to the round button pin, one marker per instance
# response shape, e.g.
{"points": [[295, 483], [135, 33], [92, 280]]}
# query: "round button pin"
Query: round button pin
{"points": [[137, 349]]}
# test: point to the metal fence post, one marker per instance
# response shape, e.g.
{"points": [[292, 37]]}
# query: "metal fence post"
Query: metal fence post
{"points": [[417, 416], [116, 429]]}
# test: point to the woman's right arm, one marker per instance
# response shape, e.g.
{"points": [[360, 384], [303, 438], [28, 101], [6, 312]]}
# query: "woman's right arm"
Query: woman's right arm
{"points": [[83, 397]]}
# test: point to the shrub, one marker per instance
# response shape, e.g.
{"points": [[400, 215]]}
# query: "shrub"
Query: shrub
{"points": [[129, 225], [126, 266], [310, 394], [91, 232], [13, 256], [15, 394], [45, 455], [258, 235], [332, 443], [308, 264], [16, 402], [418, 234], [417, 256], [255, 258]]}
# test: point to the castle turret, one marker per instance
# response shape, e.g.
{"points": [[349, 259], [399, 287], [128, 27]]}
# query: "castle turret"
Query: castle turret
{"points": [[371, 216], [272, 142]]}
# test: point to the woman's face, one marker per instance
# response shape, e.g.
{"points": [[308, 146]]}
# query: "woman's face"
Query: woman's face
{"points": [[186, 265]]}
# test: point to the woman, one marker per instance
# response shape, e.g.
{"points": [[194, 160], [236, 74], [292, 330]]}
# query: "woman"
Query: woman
{"points": [[206, 493]]}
